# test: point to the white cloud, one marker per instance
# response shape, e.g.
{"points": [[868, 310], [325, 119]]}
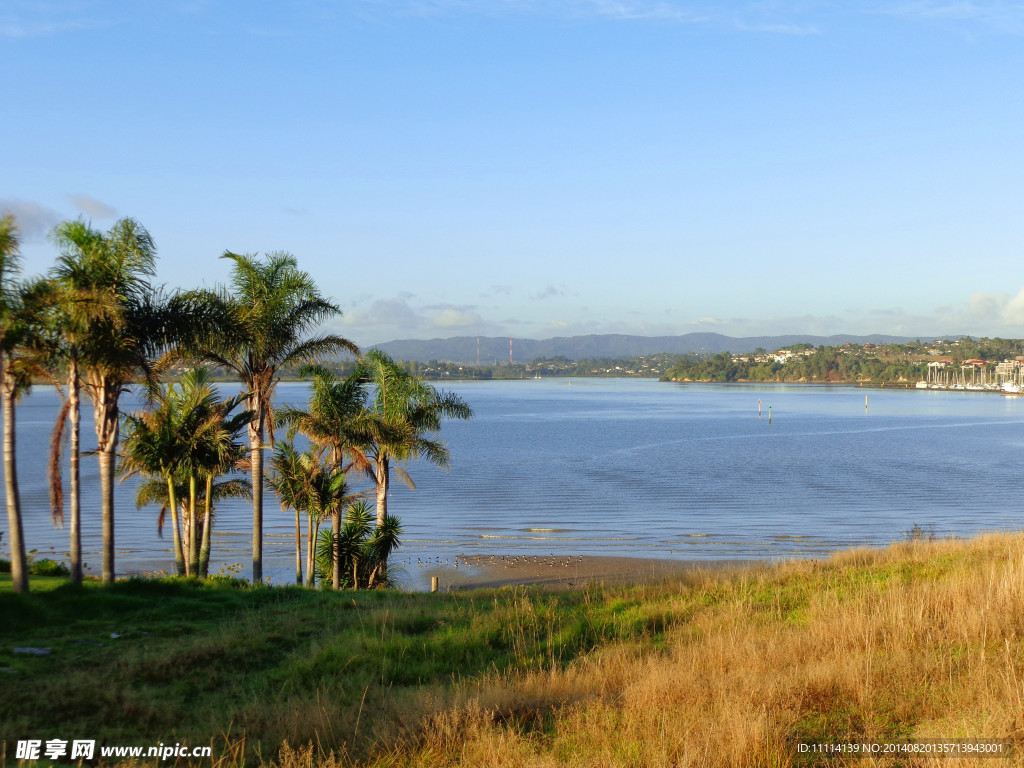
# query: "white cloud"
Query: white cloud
{"points": [[988, 314], [400, 317], [34, 220], [981, 314], [394, 312], [90, 206], [376, 320], [550, 292], [452, 319], [1011, 311]]}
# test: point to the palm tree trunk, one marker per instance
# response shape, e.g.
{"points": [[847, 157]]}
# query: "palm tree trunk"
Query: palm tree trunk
{"points": [[106, 445], [383, 481], [106, 461], [74, 397], [335, 548], [336, 456], [179, 553], [298, 549], [193, 528], [310, 550], [204, 552], [256, 441], [184, 538], [383, 473], [19, 560]]}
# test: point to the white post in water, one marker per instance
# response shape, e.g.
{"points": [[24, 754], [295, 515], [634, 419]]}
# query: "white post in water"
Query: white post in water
{"points": [[433, 583], [759, 408], [865, 403]]}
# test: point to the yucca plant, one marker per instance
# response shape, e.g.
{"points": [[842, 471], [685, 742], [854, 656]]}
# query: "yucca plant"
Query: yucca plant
{"points": [[361, 547]]}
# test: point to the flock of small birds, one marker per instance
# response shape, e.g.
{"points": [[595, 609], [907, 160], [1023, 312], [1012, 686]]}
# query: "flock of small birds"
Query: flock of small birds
{"points": [[506, 561]]}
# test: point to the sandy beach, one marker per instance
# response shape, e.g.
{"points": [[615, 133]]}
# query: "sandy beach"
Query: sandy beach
{"points": [[564, 572]]}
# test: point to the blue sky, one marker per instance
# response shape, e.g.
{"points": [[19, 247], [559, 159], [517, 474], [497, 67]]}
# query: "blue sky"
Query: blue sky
{"points": [[544, 167]]}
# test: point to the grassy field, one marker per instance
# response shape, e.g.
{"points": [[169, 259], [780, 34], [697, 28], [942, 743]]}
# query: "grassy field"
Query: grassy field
{"points": [[921, 640]]}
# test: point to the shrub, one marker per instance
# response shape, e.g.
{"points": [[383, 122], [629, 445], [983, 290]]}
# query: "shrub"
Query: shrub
{"points": [[920, 533], [48, 567]]}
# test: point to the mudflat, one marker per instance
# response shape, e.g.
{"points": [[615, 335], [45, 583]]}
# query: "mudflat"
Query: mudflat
{"points": [[567, 572]]}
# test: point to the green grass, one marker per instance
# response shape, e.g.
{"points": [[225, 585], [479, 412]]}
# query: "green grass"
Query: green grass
{"points": [[41, 583], [246, 669], [197, 662]]}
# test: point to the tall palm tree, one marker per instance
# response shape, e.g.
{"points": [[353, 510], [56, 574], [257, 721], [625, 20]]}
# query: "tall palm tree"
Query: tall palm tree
{"points": [[79, 301], [402, 423], [10, 263], [138, 325], [266, 322], [119, 261], [332, 423]]}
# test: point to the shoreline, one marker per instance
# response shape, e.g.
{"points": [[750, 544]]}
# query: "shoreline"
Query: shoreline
{"points": [[557, 572], [562, 572]]}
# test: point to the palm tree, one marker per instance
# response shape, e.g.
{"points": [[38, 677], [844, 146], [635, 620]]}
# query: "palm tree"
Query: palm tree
{"points": [[303, 483], [220, 452], [332, 423], [402, 423], [136, 327], [117, 347], [265, 325], [10, 262], [188, 436], [79, 301], [287, 480], [156, 491]]}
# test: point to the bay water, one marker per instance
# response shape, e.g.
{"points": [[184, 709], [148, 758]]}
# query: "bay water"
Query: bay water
{"points": [[626, 467]]}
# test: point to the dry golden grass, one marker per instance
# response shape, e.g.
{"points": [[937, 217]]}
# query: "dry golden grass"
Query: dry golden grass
{"points": [[920, 640]]}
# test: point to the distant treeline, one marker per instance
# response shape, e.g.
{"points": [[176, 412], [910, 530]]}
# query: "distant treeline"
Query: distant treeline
{"points": [[876, 364], [648, 366], [829, 364]]}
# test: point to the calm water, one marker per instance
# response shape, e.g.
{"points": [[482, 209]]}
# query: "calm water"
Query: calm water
{"points": [[636, 467]]}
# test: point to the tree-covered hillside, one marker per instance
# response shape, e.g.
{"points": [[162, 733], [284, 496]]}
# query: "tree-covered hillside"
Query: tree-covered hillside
{"points": [[869, 363]]}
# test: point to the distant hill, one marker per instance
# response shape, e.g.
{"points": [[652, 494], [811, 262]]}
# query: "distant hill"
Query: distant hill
{"points": [[463, 349]]}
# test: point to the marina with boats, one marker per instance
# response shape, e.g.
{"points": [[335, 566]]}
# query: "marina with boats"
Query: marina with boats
{"points": [[1005, 377]]}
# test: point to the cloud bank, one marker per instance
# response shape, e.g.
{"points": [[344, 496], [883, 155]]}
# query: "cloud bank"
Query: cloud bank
{"points": [[34, 220]]}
